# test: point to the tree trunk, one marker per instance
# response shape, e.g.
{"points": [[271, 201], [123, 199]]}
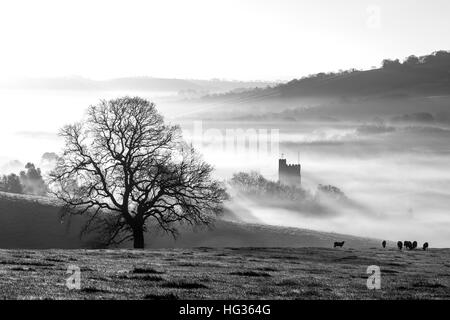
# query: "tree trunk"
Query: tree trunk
{"points": [[138, 238]]}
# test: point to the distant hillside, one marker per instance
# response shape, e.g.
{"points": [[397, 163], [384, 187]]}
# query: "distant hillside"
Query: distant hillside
{"points": [[426, 75], [34, 223], [138, 84]]}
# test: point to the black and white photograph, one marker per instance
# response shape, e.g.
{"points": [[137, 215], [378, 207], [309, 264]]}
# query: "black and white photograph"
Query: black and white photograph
{"points": [[224, 150]]}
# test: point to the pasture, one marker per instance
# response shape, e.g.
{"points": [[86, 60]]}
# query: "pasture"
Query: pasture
{"points": [[231, 273]]}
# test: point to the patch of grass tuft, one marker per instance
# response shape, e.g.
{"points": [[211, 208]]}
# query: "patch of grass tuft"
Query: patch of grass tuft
{"points": [[58, 260], [184, 285], [147, 271], [23, 269], [167, 296], [288, 283], [269, 269], [423, 284], [251, 274], [188, 264], [150, 278], [93, 290]]}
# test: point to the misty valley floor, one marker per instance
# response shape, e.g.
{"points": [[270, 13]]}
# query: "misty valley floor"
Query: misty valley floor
{"points": [[206, 273]]}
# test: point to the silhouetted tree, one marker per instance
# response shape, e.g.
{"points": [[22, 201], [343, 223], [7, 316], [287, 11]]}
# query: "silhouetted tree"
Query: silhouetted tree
{"points": [[125, 167], [11, 183], [49, 157], [32, 180], [437, 59], [330, 191], [389, 64], [254, 184], [411, 61]]}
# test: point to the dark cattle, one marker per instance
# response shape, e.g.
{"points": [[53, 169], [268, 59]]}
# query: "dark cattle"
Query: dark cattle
{"points": [[339, 244], [425, 246], [414, 245], [400, 245], [384, 244], [407, 245]]}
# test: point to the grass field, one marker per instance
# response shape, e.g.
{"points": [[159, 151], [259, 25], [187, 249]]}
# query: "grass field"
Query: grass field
{"points": [[206, 273]]}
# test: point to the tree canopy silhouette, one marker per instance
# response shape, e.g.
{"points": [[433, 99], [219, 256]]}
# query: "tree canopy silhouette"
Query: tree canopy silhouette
{"points": [[32, 180], [11, 183], [125, 168]]}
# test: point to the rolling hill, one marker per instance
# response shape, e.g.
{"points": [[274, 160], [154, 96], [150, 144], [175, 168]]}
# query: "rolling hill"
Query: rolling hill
{"points": [[35, 223], [427, 75]]}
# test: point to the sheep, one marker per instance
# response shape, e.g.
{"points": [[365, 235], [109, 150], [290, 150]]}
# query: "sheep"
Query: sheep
{"points": [[425, 246], [339, 244]]}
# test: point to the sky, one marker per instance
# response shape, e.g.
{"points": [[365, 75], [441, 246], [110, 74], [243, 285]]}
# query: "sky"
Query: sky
{"points": [[204, 39]]}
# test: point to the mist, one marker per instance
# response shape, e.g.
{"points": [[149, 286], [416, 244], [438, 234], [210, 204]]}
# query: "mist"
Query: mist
{"points": [[398, 179], [396, 173]]}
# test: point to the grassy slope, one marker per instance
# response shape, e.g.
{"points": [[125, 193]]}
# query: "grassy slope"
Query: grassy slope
{"points": [[34, 223], [235, 234], [304, 273]]}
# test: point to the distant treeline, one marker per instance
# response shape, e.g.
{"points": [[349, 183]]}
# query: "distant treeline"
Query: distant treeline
{"points": [[29, 181], [275, 194], [255, 184]]}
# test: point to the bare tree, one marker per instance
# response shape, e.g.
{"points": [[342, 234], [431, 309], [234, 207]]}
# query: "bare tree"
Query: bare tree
{"points": [[125, 168]]}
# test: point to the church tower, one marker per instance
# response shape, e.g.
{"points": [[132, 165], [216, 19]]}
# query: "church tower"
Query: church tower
{"points": [[289, 174]]}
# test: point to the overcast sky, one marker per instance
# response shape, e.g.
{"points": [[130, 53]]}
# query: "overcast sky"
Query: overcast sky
{"points": [[242, 39]]}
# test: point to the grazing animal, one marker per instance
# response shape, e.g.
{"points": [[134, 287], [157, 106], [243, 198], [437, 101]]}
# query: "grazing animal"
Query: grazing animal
{"points": [[400, 245], [384, 244], [407, 245], [425, 246], [414, 245], [339, 244]]}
